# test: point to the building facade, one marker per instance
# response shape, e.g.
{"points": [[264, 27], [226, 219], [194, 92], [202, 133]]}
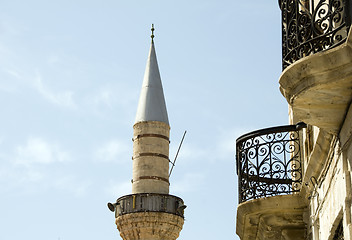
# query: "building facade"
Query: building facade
{"points": [[295, 180]]}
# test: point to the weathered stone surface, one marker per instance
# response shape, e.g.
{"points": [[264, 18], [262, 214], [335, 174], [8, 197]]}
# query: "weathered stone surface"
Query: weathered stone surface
{"points": [[272, 218], [327, 180], [346, 130], [150, 157], [149, 226], [316, 158]]}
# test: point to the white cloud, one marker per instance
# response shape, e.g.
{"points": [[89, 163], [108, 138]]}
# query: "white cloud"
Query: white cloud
{"points": [[188, 153], [20, 177], [14, 78], [10, 79], [112, 151], [16, 171], [222, 148], [188, 183], [54, 59], [226, 146], [37, 150], [71, 184], [13, 73], [9, 27], [112, 95], [106, 97], [114, 189], [32, 167], [64, 98]]}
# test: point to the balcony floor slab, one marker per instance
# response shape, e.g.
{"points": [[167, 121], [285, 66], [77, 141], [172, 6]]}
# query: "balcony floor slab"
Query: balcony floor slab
{"points": [[278, 217], [319, 87]]}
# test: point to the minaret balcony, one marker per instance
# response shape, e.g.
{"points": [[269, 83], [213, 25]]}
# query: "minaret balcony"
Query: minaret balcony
{"points": [[148, 202], [269, 169], [149, 216], [317, 61]]}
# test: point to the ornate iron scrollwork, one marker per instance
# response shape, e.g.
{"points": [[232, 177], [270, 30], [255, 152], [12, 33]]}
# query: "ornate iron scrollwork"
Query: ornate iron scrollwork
{"points": [[269, 162], [312, 26]]}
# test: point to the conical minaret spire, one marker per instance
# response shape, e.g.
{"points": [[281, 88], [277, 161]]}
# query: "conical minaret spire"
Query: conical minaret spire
{"points": [[150, 212], [151, 106]]}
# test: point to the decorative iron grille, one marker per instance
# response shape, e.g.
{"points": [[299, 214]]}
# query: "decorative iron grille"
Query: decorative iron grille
{"points": [[311, 26], [269, 162]]}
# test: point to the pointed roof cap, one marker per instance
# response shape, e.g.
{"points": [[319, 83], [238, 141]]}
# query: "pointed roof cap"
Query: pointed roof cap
{"points": [[151, 106]]}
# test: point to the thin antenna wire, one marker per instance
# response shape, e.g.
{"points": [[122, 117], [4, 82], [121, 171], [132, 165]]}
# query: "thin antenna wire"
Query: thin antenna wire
{"points": [[178, 150]]}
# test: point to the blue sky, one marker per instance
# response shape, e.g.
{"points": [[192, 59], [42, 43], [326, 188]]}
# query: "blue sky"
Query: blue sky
{"points": [[70, 76]]}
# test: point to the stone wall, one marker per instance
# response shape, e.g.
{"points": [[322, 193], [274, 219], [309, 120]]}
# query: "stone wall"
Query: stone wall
{"points": [[327, 180]]}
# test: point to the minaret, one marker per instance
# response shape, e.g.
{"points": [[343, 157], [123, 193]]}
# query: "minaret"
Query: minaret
{"points": [[150, 213]]}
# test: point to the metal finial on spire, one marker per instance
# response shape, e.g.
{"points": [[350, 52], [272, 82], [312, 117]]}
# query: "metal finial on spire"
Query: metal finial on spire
{"points": [[152, 36]]}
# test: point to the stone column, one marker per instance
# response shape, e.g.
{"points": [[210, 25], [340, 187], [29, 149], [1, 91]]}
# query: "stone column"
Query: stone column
{"points": [[150, 157]]}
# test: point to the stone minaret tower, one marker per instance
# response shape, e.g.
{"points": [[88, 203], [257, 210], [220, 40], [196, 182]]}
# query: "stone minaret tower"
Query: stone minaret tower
{"points": [[150, 213]]}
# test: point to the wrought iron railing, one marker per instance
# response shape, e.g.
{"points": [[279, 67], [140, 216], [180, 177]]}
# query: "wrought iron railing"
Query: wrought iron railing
{"points": [[269, 162], [311, 26]]}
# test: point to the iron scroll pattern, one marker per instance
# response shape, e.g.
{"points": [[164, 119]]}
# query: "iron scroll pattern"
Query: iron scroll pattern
{"points": [[311, 26], [269, 162]]}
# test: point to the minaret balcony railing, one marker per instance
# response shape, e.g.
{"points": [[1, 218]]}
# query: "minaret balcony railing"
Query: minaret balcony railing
{"points": [[148, 202], [269, 162], [312, 26]]}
